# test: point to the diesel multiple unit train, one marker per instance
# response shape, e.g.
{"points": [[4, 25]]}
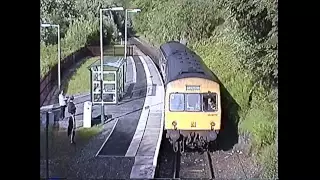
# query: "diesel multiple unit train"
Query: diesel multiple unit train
{"points": [[192, 98]]}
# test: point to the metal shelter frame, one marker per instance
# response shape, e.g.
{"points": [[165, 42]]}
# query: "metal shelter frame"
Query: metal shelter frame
{"points": [[113, 80]]}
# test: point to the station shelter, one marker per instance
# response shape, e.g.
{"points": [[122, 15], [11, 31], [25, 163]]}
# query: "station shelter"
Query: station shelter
{"points": [[114, 70]]}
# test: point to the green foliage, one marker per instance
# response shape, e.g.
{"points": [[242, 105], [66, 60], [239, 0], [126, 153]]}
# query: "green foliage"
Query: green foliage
{"points": [[80, 81], [269, 158], [79, 32], [76, 37], [260, 123], [91, 7], [174, 19], [258, 21], [56, 12], [79, 22], [238, 42]]}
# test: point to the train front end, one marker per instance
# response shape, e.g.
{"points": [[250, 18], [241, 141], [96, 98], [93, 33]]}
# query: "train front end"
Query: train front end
{"points": [[192, 113]]}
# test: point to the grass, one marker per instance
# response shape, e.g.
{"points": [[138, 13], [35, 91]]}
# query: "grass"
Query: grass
{"points": [[269, 158], [87, 133], [80, 80]]}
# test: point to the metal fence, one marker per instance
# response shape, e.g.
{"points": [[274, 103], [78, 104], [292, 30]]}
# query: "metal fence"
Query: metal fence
{"points": [[49, 141], [47, 83]]}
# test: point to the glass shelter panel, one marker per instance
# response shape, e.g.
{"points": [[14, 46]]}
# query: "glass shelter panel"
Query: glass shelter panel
{"points": [[109, 98], [109, 76], [109, 88], [112, 83], [96, 97]]}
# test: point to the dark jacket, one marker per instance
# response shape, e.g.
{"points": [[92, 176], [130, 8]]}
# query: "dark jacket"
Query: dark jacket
{"points": [[70, 126], [72, 108]]}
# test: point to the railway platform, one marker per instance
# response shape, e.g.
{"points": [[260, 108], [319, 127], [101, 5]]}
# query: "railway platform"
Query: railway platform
{"points": [[147, 139], [138, 117], [140, 137]]}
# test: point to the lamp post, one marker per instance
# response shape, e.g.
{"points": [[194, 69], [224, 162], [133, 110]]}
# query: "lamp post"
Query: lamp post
{"points": [[101, 56], [59, 52], [126, 29]]}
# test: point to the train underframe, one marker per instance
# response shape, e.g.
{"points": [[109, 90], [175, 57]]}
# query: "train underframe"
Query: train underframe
{"points": [[180, 139]]}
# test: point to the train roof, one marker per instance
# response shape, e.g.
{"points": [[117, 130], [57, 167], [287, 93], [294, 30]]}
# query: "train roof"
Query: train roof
{"points": [[183, 63]]}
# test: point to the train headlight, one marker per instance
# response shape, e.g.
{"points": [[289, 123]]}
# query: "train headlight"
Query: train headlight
{"points": [[174, 124], [212, 125]]}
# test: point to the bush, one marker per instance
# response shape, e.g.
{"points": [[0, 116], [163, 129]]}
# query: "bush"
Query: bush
{"points": [[269, 159], [223, 54], [79, 25], [81, 32], [244, 60], [76, 37]]}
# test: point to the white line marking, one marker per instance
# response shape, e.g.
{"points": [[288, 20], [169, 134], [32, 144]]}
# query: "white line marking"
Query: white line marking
{"points": [[134, 69], [146, 69], [137, 39], [138, 135], [137, 168], [155, 158], [114, 126]]}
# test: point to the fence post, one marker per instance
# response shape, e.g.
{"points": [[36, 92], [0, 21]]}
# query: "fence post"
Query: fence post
{"points": [[47, 145]]}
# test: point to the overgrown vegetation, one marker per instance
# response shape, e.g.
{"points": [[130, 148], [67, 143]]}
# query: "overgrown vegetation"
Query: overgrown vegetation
{"points": [[238, 41], [79, 24]]}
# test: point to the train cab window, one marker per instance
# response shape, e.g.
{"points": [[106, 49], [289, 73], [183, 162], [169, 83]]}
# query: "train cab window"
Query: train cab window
{"points": [[210, 102], [176, 102], [193, 102]]}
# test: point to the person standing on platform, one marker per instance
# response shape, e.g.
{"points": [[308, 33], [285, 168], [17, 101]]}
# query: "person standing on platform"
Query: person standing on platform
{"points": [[62, 104], [72, 122]]}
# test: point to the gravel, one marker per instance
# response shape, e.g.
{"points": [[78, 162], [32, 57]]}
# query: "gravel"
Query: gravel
{"points": [[193, 165], [236, 163]]}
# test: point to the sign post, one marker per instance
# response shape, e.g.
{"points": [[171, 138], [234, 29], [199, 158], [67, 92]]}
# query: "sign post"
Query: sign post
{"points": [[87, 109]]}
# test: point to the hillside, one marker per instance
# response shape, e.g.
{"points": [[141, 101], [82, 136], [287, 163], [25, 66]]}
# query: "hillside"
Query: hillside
{"points": [[238, 41]]}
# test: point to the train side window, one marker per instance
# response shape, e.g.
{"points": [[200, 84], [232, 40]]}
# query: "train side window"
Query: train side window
{"points": [[193, 102], [176, 102], [210, 102]]}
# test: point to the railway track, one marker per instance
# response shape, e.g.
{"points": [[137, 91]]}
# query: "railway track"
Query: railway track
{"points": [[188, 164], [193, 165]]}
